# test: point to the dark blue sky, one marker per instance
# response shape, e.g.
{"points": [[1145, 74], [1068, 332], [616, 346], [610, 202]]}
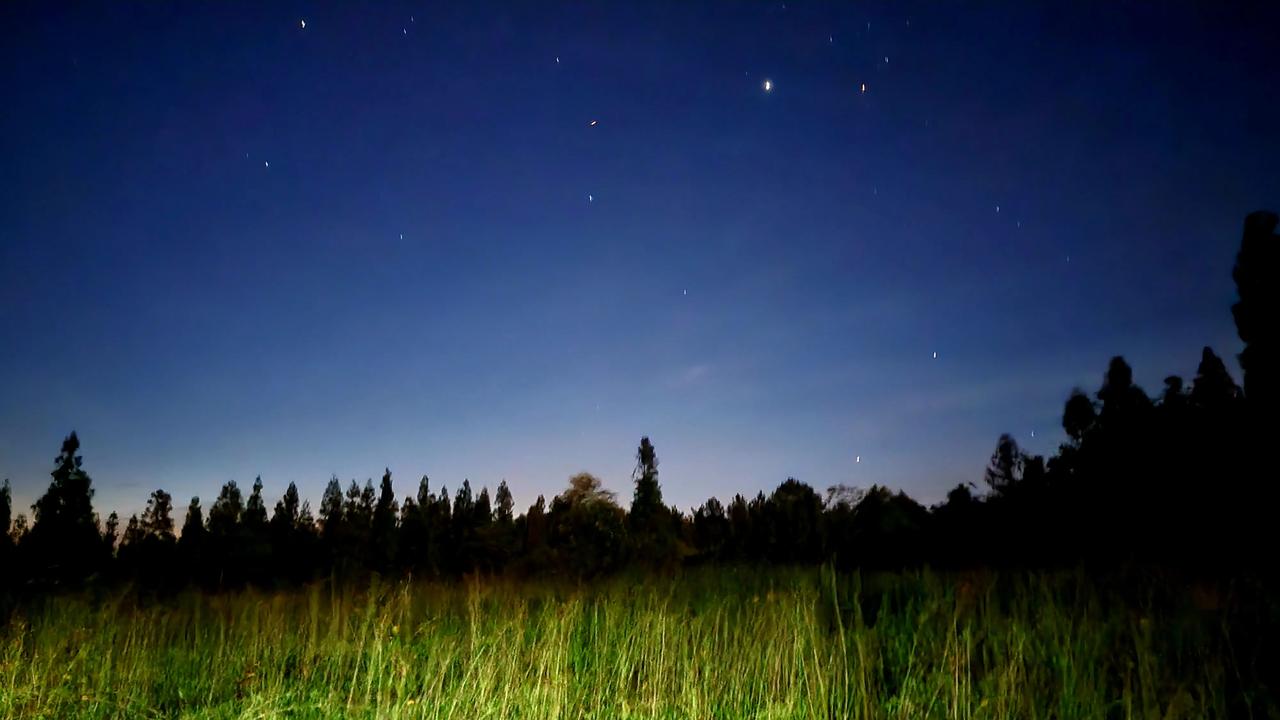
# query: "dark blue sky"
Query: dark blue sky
{"points": [[231, 245]]}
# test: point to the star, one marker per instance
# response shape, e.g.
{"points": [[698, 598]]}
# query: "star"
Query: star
{"points": [[591, 198], [1033, 433], [935, 354], [886, 59], [592, 123], [997, 208], [266, 164], [831, 38], [557, 59], [857, 458], [768, 85], [686, 292], [404, 30], [401, 236], [864, 88], [302, 24]]}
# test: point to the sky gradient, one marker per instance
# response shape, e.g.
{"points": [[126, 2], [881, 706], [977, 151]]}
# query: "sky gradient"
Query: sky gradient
{"points": [[231, 245]]}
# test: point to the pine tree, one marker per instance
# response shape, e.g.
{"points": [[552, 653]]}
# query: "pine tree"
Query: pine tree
{"points": [[66, 545], [652, 534]]}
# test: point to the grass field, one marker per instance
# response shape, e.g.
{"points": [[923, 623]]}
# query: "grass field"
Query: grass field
{"points": [[705, 644]]}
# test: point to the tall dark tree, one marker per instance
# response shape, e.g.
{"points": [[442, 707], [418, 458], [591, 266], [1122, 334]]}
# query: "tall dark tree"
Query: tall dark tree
{"points": [[413, 547], [793, 518], [650, 530], [331, 515], [65, 543], [227, 511], [255, 510], [504, 504], [157, 519], [484, 508], [111, 532], [291, 530], [1079, 415], [710, 530], [1213, 389], [587, 527], [1257, 277], [383, 531], [6, 513], [284, 518], [1006, 466], [191, 542], [193, 529]]}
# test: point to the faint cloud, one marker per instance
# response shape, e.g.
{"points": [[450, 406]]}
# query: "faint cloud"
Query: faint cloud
{"points": [[691, 375]]}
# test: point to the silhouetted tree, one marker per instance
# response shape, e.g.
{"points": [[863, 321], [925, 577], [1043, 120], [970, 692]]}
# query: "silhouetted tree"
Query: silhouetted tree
{"points": [[192, 544], [415, 516], [292, 532], [20, 529], [651, 532], [6, 512], [794, 520], [9, 572], [888, 529], [255, 510], [65, 544], [225, 515], [1257, 277], [1213, 388], [1005, 468], [225, 548], [148, 551], [111, 532], [587, 528], [536, 548], [383, 548], [504, 504], [331, 516], [1079, 416], [711, 531], [741, 531]]}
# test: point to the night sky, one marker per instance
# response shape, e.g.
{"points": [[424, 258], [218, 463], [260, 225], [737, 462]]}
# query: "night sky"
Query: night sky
{"points": [[484, 241]]}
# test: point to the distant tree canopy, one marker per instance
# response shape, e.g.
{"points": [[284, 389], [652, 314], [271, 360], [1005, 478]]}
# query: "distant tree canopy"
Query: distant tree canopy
{"points": [[1178, 478]]}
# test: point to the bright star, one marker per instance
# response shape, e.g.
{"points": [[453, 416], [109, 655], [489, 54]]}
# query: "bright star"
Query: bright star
{"points": [[768, 85], [592, 123], [591, 198], [935, 354], [864, 87], [302, 24], [857, 458]]}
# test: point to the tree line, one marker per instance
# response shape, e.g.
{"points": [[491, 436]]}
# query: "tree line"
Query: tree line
{"points": [[1179, 477]]}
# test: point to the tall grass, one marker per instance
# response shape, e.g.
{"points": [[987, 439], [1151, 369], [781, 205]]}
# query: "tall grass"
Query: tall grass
{"points": [[710, 644]]}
